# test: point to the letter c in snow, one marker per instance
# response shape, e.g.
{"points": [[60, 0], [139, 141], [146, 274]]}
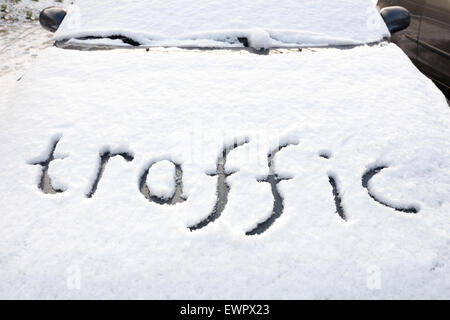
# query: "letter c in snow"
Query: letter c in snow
{"points": [[369, 174]]}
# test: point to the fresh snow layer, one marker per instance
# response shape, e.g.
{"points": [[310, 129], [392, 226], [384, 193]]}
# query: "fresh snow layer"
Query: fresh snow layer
{"points": [[161, 179], [361, 108], [205, 23]]}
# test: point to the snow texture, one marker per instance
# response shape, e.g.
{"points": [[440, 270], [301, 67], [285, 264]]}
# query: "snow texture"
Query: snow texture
{"points": [[362, 108], [204, 23], [161, 179]]}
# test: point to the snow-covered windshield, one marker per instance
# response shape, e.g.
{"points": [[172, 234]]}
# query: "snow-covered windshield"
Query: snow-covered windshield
{"points": [[224, 23]]}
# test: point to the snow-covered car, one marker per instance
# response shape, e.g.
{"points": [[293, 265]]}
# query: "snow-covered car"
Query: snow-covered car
{"points": [[225, 149]]}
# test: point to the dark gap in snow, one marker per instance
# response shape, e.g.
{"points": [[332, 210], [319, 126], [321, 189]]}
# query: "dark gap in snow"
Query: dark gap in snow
{"points": [[337, 198], [278, 203], [325, 154], [369, 174], [104, 158], [45, 183], [177, 196], [222, 186], [244, 41], [113, 37]]}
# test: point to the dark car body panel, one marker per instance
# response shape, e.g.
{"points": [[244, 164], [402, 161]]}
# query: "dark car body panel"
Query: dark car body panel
{"points": [[427, 40]]}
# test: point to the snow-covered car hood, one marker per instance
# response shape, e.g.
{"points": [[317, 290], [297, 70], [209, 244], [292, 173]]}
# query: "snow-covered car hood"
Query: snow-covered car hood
{"points": [[205, 23], [362, 132]]}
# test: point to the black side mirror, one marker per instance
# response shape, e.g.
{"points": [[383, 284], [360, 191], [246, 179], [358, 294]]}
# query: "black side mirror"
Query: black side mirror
{"points": [[51, 18], [396, 18]]}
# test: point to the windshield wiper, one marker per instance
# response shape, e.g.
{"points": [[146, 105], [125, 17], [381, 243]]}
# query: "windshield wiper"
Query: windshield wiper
{"points": [[113, 37], [135, 43]]}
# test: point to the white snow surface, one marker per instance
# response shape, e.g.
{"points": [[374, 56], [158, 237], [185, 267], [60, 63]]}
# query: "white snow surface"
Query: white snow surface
{"points": [[161, 179], [364, 107], [205, 23]]}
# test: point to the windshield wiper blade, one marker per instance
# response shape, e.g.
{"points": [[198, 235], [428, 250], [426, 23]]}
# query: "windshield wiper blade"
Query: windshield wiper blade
{"points": [[113, 37], [135, 43]]}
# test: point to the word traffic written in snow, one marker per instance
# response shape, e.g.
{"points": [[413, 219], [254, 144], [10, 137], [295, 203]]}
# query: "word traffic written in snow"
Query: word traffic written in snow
{"points": [[223, 188]]}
